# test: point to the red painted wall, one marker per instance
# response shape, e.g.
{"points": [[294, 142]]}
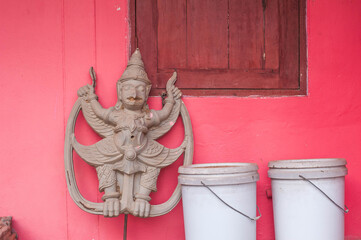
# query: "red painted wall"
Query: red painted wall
{"points": [[46, 49]]}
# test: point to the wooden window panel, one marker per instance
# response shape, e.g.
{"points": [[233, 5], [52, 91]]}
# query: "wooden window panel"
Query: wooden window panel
{"points": [[246, 41], [223, 47], [207, 36]]}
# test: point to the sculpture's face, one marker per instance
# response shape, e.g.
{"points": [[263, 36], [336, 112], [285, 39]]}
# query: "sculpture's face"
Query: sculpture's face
{"points": [[134, 94]]}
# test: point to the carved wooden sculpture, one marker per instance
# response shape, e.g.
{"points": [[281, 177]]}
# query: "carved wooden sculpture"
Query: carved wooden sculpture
{"points": [[128, 159]]}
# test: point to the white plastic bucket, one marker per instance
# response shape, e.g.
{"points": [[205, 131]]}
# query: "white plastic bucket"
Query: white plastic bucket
{"points": [[206, 217], [308, 198]]}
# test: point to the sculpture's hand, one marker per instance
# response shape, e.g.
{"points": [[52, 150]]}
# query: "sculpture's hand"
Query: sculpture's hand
{"points": [[142, 208], [174, 93], [111, 207], [87, 92]]}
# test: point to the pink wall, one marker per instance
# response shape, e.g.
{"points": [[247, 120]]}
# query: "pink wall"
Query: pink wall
{"points": [[46, 49]]}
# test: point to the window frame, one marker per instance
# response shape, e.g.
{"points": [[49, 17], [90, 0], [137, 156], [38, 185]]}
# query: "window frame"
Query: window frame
{"points": [[150, 48]]}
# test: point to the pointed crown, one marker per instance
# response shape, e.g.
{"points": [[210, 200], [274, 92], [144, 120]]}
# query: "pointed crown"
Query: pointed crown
{"points": [[135, 69]]}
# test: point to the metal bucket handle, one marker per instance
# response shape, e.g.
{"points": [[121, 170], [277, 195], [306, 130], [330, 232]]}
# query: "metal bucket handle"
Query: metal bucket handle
{"points": [[243, 214], [329, 198]]}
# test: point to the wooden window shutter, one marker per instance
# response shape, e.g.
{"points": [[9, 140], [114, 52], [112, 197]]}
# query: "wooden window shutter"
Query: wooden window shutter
{"points": [[223, 47]]}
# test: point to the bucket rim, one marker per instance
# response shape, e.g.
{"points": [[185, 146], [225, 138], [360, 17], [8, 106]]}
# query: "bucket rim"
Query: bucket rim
{"points": [[307, 163], [218, 168]]}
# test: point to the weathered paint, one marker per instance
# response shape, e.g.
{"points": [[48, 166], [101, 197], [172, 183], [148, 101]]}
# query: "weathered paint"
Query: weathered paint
{"points": [[46, 49]]}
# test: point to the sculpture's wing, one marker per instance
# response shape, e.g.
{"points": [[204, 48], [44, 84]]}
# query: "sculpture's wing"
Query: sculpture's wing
{"points": [[157, 155], [97, 154], [158, 131], [98, 125]]}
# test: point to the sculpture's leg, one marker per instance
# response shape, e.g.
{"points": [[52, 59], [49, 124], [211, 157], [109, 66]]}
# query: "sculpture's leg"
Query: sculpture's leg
{"points": [[148, 179], [106, 176]]}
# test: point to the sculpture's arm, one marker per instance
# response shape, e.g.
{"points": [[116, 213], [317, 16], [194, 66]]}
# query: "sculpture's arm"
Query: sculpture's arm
{"points": [[102, 113], [173, 94], [87, 93]]}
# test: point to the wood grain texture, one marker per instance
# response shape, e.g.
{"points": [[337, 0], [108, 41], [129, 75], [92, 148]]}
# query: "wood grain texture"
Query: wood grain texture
{"points": [[132, 25], [207, 34], [172, 34], [225, 79], [224, 44], [272, 48], [236, 92], [303, 49], [147, 26], [246, 41], [289, 43]]}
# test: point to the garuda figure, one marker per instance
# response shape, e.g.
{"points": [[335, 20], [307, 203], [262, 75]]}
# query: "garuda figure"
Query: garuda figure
{"points": [[128, 159]]}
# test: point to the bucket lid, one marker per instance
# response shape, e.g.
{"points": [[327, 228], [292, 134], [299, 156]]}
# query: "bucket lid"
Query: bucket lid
{"points": [[218, 168], [218, 173], [308, 163], [310, 168]]}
